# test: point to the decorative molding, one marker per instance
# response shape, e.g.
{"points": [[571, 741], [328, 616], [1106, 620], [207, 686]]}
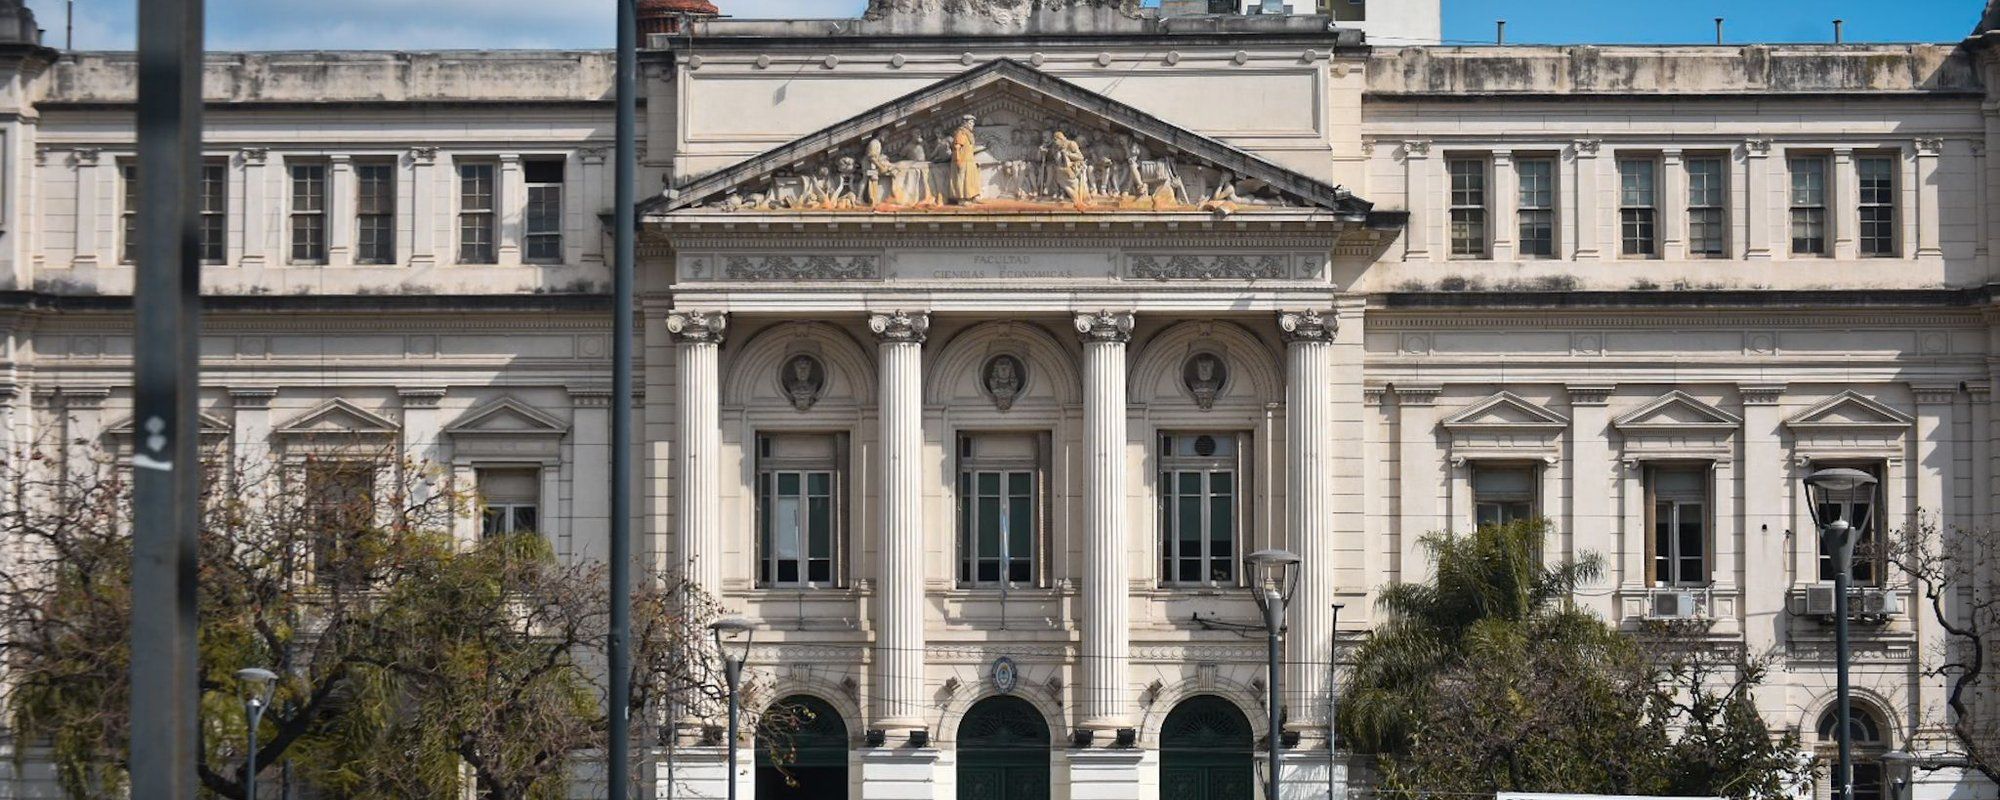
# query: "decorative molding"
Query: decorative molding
{"points": [[1371, 396], [1590, 394], [1307, 326], [212, 427], [1416, 394], [1201, 267], [84, 156], [1930, 147], [593, 155], [423, 155], [508, 417], [83, 399], [1849, 411], [1105, 326], [247, 398], [1934, 394], [801, 268], [424, 397], [697, 327], [254, 156], [1416, 148], [1757, 148], [1676, 412], [1762, 394], [1505, 412], [590, 396], [900, 326], [1587, 148], [338, 417]]}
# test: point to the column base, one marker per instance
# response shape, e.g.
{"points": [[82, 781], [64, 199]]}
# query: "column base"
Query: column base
{"points": [[702, 773], [1303, 775], [1125, 773], [891, 773]]}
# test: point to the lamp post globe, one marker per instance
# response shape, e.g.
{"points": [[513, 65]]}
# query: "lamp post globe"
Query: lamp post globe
{"points": [[257, 685], [1274, 578], [1842, 502], [733, 636]]}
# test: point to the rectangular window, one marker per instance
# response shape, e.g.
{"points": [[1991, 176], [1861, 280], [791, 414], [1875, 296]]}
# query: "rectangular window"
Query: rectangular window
{"points": [[477, 211], [1638, 210], [128, 250], [1708, 220], [1869, 558], [375, 212], [308, 213], [799, 506], [1878, 205], [214, 241], [510, 500], [1502, 493], [999, 508], [1808, 200], [1537, 207], [1201, 509], [340, 507], [1680, 525], [1468, 207], [545, 189]]}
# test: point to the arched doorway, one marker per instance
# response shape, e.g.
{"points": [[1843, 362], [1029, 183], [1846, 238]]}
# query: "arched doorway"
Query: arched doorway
{"points": [[1869, 746], [1003, 751], [817, 768], [1207, 752]]}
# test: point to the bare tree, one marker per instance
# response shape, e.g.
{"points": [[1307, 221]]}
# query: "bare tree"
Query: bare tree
{"points": [[1957, 580]]}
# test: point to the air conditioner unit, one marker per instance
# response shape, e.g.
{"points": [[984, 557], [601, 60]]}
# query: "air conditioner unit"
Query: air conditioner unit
{"points": [[1876, 602], [1820, 600], [1672, 604]]}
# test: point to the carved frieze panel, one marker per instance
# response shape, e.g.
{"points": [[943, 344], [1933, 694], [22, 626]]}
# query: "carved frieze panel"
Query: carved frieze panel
{"points": [[1209, 266]]}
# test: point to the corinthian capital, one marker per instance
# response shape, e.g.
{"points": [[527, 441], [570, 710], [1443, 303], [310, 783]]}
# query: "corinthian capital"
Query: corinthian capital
{"points": [[697, 327], [1105, 326], [900, 326], [1307, 326]]}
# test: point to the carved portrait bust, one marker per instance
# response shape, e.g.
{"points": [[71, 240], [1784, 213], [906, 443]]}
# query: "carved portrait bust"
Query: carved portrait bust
{"points": [[1205, 374], [803, 379], [1004, 378]]}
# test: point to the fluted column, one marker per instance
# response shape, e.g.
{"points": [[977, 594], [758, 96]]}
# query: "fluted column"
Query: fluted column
{"points": [[1309, 497], [697, 460], [1107, 638], [899, 641]]}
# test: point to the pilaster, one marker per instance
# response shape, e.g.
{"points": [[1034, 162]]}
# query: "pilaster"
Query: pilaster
{"points": [[1928, 211], [1583, 207], [416, 227], [340, 206], [422, 428], [892, 773], [590, 474], [1506, 197], [1309, 506], [257, 207], [513, 210], [1590, 490], [1106, 630], [1758, 195], [250, 428], [1765, 517], [1933, 464], [91, 196], [899, 644], [697, 337], [585, 203], [1418, 175], [1417, 477], [1843, 197], [1672, 204]]}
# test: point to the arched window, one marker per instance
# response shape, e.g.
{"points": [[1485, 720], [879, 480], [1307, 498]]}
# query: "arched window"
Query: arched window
{"points": [[1207, 751], [1865, 731], [1003, 751], [815, 762]]}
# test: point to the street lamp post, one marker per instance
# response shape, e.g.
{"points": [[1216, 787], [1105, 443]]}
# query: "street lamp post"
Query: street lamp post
{"points": [[732, 643], [1848, 497], [1273, 578], [258, 686]]}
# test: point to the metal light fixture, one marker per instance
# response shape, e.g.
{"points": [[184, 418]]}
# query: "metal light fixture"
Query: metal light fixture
{"points": [[1848, 496], [258, 685], [1274, 578], [733, 636]]}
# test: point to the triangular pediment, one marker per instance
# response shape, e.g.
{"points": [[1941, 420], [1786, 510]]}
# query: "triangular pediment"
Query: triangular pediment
{"points": [[1038, 145], [506, 417], [338, 417], [1505, 411], [211, 425], [1677, 411], [1849, 410]]}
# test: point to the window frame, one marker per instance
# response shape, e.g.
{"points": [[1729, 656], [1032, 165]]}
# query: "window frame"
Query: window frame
{"points": [[1532, 497], [1891, 224], [1794, 206], [324, 548], [1719, 207], [296, 218], [384, 218], [1171, 466], [1469, 214], [768, 467], [529, 233], [508, 507], [966, 470], [1634, 216], [128, 210], [1542, 209], [469, 213], [1704, 472]]}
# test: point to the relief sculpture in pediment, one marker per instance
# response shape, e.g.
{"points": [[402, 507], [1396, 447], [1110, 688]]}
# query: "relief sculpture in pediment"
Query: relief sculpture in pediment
{"points": [[999, 161]]}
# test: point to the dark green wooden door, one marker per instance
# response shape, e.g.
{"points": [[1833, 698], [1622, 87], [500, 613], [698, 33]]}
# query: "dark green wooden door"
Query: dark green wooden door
{"points": [[1003, 751], [816, 766], [1207, 752]]}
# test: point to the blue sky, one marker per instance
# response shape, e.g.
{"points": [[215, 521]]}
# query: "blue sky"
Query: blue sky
{"points": [[409, 24]]}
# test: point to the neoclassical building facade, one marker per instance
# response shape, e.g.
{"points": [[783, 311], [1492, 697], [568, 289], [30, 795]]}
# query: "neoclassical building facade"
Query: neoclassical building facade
{"points": [[979, 349]]}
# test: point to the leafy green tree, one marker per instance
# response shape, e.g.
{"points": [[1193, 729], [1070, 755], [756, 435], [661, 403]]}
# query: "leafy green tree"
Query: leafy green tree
{"points": [[1487, 679]]}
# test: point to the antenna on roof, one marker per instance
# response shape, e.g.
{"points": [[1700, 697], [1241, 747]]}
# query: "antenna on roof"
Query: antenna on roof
{"points": [[1499, 31], [69, 25]]}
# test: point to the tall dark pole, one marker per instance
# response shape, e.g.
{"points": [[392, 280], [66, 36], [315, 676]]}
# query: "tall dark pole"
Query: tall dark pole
{"points": [[166, 483], [734, 668], [1274, 621], [1843, 776], [1333, 700], [626, 222]]}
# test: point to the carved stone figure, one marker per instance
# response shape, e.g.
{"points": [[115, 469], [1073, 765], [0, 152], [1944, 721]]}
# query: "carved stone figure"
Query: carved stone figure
{"points": [[1005, 377], [1205, 375], [803, 378], [966, 184], [878, 169], [1075, 181]]}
